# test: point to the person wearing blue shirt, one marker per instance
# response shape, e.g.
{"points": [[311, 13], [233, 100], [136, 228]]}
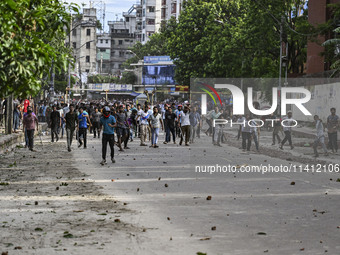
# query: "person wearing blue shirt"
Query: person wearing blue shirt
{"points": [[83, 117], [108, 122]]}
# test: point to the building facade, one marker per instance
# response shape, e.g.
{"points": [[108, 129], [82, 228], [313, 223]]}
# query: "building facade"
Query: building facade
{"points": [[83, 41], [104, 53], [318, 13], [123, 37]]}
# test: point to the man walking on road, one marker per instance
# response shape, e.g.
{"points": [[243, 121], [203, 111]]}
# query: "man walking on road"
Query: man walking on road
{"points": [[287, 130], [30, 122], [143, 120], [96, 115], [332, 126], [184, 121], [108, 122], [170, 118], [83, 117], [71, 120], [320, 137], [122, 130], [195, 120], [55, 123], [155, 121]]}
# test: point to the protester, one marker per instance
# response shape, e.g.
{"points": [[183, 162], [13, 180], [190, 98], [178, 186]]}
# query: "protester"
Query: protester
{"points": [[195, 120], [170, 119], [319, 137], [108, 122], [143, 118], [184, 121], [54, 123], [83, 117], [71, 119], [332, 127], [287, 130], [155, 122], [96, 116], [30, 123]]}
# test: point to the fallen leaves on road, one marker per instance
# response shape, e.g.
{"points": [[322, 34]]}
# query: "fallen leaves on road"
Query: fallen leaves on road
{"points": [[292, 183], [209, 197], [213, 228]]}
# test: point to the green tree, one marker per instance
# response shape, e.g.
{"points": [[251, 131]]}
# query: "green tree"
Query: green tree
{"points": [[32, 38]]}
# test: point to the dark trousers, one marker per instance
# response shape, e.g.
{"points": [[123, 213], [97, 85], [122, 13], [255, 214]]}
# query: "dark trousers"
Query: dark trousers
{"points": [[288, 137], [96, 129], [246, 140], [108, 139], [54, 132], [169, 130], [82, 132], [210, 129], [30, 136], [333, 141], [186, 133]]}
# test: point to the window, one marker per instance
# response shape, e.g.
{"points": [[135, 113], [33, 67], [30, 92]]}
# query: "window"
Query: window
{"points": [[120, 66], [151, 9], [103, 65], [143, 12], [121, 53], [163, 2], [87, 59], [74, 45], [113, 41], [88, 32], [106, 41], [102, 50], [87, 70], [101, 40], [143, 37], [151, 21], [112, 30], [74, 32], [88, 45], [127, 19], [173, 8], [120, 42]]}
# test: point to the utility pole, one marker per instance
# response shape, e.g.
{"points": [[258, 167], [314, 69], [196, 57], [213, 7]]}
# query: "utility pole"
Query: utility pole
{"points": [[280, 71]]}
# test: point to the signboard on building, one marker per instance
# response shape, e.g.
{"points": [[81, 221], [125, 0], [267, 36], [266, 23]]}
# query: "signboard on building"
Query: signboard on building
{"points": [[182, 88], [157, 60], [110, 87]]}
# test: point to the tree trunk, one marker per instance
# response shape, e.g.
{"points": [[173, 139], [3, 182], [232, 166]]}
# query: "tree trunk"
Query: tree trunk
{"points": [[9, 116]]}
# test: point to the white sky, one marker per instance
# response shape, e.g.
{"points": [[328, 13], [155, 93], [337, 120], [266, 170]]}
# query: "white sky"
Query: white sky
{"points": [[113, 8]]}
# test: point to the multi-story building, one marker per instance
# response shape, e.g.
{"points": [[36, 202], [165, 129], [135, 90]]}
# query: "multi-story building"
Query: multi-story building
{"points": [[318, 13], [104, 53], [123, 37], [83, 40], [170, 8]]}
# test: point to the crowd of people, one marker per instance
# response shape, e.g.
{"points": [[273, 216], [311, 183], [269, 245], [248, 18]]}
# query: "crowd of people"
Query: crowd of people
{"points": [[118, 123]]}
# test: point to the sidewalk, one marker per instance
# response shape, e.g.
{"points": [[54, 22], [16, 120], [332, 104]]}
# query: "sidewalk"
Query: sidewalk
{"points": [[9, 141]]}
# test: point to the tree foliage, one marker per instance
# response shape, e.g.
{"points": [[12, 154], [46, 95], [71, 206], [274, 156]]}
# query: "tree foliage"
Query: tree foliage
{"points": [[32, 38]]}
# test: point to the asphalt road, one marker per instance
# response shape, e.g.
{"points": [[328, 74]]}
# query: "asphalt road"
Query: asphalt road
{"points": [[249, 213]]}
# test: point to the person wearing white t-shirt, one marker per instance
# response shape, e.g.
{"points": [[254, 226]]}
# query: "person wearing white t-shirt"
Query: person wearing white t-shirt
{"points": [[143, 121], [185, 125], [155, 122], [287, 130]]}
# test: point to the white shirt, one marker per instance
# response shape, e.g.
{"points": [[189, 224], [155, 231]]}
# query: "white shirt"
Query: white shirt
{"points": [[155, 120], [288, 122], [319, 129], [185, 120]]}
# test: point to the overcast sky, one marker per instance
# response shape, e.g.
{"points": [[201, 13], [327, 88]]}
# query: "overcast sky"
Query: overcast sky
{"points": [[113, 8]]}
